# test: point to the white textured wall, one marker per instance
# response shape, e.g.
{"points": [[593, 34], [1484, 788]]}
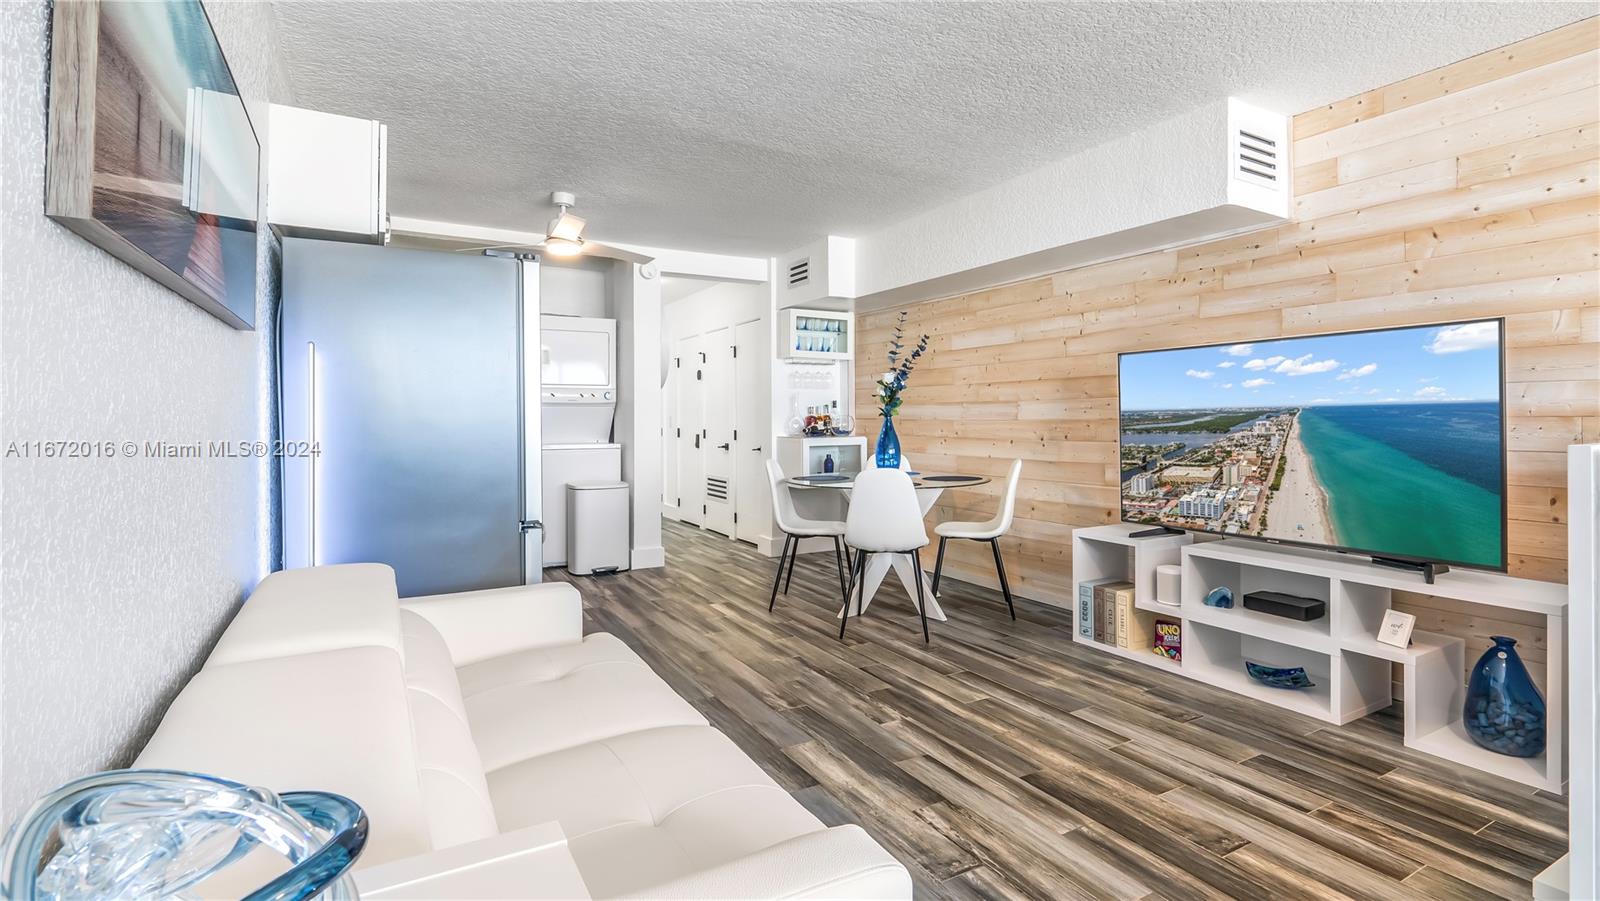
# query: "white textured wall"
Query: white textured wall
{"points": [[580, 287], [717, 305], [115, 576], [636, 301]]}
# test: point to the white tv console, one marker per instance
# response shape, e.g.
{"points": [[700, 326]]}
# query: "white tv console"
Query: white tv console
{"points": [[1351, 668]]}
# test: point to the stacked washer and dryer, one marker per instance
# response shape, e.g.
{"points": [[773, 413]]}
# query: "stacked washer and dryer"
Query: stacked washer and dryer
{"points": [[585, 501]]}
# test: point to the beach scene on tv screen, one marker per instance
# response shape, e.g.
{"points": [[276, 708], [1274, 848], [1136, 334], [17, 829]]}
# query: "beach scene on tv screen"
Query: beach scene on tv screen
{"points": [[1387, 442]]}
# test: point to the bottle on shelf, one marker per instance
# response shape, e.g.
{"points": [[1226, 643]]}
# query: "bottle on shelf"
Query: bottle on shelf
{"points": [[827, 463]]}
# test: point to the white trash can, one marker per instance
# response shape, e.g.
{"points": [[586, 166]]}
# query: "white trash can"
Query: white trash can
{"points": [[597, 527]]}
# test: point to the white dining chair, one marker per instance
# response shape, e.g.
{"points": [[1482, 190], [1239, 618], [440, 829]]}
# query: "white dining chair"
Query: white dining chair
{"points": [[884, 518], [872, 462], [989, 530], [795, 527]]}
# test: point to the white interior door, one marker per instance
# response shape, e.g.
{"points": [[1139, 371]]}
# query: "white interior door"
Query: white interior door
{"points": [[752, 372], [690, 373], [716, 437]]}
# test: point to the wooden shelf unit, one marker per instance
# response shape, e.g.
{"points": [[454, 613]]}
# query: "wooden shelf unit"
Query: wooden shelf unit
{"points": [[1351, 668]]}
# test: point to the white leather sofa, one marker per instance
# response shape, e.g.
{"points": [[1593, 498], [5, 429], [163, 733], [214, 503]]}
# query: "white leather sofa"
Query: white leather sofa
{"points": [[467, 721]]}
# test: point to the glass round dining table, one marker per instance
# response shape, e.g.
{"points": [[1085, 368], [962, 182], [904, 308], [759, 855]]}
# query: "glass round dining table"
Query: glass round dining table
{"points": [[929, 486]]}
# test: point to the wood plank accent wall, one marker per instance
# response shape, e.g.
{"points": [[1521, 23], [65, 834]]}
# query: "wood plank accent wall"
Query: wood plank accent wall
{"points": [[1471, 190]]}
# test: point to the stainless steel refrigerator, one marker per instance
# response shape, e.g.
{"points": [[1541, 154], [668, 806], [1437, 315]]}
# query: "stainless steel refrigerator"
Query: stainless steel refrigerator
{"points": [[412, 377]]}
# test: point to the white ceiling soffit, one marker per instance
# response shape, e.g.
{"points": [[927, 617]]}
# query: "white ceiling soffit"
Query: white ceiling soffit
{"points": [[753, 128], [1179, 181]]}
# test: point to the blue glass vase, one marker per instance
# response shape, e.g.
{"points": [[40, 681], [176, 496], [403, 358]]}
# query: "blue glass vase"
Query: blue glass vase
{"points": [[1504, 711], [888, 445]]}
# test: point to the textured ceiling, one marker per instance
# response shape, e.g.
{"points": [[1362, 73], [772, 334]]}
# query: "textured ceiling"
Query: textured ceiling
{"points": [[756, 127]]}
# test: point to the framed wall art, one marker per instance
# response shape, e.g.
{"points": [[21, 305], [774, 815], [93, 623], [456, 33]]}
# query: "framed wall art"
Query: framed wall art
{"points": [[151, 152]]}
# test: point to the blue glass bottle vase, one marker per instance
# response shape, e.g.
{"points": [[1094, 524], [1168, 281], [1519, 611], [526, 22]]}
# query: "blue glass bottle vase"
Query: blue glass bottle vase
{"points": [[888, 456], [1504, 711]]}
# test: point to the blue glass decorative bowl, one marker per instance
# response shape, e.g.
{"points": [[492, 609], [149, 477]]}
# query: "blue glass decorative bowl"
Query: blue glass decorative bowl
{"points": [[159, 833], [1293, 677]]}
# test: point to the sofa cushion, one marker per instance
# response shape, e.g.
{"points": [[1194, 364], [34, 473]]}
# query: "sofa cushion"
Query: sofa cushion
{"points": [[650, 806], [455, 797], [492, 622], [427, 662], [450, 773], [535, 702], [298, 611], [331, 721], [544, 664]]}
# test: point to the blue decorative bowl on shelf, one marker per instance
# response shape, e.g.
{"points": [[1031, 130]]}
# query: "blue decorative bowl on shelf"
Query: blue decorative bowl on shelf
{"points": [[1221, 596], [1504, 710], [1292, 677]]}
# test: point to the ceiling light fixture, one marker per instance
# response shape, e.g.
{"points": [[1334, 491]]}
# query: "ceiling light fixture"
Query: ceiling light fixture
{"points": [[564, 234], [562, 239], [561, 247]]}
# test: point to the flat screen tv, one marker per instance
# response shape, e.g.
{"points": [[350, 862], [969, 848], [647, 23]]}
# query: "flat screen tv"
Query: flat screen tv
{"points": [[1388, 442]]}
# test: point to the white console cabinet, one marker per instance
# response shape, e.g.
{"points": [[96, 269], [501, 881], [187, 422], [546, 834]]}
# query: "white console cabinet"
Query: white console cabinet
{"points": [[1351, 669], [327, 176]]}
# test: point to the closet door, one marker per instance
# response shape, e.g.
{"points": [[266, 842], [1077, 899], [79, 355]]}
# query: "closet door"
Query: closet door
{"points": [[716, 437], [752, 430]]}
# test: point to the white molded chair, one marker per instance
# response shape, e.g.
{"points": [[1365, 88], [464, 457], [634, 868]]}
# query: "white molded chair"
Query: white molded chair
{"points": [[796, 527], [989, 530], [871, 462], [884, 518]]}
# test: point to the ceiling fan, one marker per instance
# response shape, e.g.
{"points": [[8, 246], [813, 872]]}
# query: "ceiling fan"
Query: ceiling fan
{"points": [[563, 237]]}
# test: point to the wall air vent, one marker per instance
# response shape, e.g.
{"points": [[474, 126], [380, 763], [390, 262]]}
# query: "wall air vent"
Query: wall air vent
{"points": [[716, 489], [1257, 159], [799, 272]]}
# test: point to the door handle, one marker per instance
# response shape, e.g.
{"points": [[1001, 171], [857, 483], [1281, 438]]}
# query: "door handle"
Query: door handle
{"points": [[697, 441], [756, 449], [722, 447]]}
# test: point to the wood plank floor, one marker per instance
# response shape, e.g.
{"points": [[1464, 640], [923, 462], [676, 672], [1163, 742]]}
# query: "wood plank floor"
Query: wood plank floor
{"points": [[1002, 760]]}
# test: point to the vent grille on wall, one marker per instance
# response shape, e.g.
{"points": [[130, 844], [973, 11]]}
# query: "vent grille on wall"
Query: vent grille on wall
{"points": [[799, 272], [1256, 159], [716, 489]]}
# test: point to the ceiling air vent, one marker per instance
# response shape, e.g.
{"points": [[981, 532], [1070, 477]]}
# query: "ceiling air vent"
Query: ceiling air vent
{"points": [[799, 272], [1256, 159]]}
